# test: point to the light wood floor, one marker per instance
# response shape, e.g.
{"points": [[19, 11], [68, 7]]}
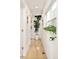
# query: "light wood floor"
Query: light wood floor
{"points": [[36, 51]]}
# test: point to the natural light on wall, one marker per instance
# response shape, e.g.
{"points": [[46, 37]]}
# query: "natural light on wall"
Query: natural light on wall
{"points": [[51, 14], [54, 6]]}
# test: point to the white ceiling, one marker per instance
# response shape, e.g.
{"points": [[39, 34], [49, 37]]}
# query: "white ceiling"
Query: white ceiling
{"points": [[37, 6]]}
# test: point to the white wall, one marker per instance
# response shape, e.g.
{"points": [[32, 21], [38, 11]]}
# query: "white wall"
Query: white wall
{"points": [[26, 34], [51, 47], [21, 33]]}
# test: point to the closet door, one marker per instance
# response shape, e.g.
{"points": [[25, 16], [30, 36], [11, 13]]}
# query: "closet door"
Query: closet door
{"points": [[21, 32]]}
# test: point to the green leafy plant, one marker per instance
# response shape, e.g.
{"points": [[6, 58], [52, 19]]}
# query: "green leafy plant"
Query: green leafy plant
{"points": [[51, 28], [36, 23]]}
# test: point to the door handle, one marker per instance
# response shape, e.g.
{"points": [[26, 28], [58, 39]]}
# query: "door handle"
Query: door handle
{"points": [[22, 30]]}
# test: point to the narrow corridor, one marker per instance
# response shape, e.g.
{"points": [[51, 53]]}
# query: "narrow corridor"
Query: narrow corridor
{"points": [[38, 29], [36, 50]]}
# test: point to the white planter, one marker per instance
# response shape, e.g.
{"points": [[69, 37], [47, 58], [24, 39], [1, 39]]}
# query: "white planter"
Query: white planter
{"points": [[37, 37]]}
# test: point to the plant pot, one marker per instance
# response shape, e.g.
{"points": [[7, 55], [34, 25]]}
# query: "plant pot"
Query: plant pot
{"points": [[36, 36]]}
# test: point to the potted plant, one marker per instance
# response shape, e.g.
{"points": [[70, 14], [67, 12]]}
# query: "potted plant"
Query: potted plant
{"points": [[52, 29], [36, 23], [36, 26]]}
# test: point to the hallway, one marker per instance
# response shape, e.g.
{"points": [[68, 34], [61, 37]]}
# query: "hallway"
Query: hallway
{"points": [[36, 50], [38, 25]]}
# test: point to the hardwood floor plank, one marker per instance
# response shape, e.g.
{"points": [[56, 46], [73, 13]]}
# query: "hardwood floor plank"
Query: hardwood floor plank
{"points": [[36, 51]]}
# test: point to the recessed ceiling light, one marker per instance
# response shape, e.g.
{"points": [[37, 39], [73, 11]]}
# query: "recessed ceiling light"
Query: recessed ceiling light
{"points": [[37, 48], [36, 7]]}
